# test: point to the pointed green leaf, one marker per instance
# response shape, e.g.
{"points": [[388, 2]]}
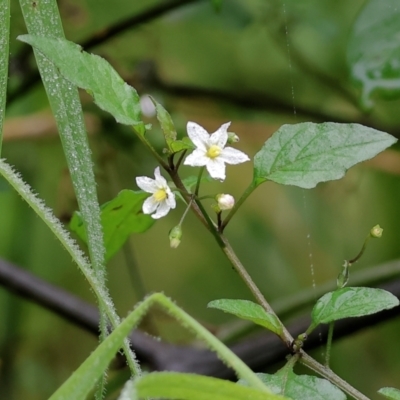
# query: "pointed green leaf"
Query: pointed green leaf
{"points": [[166, 123], [373, 51], [174, 385], [301, 387], [250, 311], [351, 302], [306, 154], [390, 393], [92, 73], [120, 217]]}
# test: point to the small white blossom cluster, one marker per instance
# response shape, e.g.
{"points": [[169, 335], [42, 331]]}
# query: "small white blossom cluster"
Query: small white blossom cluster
{"points": [[211, 152]]}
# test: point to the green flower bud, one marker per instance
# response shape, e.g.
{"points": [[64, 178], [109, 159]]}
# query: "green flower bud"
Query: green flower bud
{"points": [[232, 138], [175, 235], [376, 231]]}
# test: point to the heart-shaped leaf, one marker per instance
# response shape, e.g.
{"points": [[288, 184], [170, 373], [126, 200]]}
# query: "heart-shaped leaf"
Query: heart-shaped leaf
{"points": [[351, 302], [250, 311], [305, 154]]}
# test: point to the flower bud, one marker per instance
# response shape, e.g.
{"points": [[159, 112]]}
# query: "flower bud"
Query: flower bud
{"points": [[175, 235], [376, 231], [232, 138], [225, 201]]}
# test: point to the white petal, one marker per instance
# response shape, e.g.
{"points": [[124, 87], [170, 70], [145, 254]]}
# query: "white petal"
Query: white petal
{"points": [[147, 184], [220, 137], [170, 200], [150, 205], [160, 180], [162, 210], [216, 169], [233, 156], [197, 158], [198, 135]]}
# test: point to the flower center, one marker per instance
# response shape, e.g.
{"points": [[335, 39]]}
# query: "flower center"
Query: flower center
{"points": [[160, 195], [214, 151]]}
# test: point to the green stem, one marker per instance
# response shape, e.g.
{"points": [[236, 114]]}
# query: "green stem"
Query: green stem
{"points": [[153, 151], [358, 256], [245, 195], [196, 192], [4, 52], [95, 282], [329, 344]]}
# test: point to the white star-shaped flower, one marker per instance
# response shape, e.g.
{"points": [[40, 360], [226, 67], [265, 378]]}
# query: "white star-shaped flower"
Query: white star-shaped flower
{"points": [[211, 151], [162, 199]]}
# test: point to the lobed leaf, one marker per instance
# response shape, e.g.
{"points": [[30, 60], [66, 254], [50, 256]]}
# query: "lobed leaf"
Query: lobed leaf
{"points": [[92, 73], [120, 217], [390, 393], [250, 311], [174, 385], [373, 51], [351, 302], [306, 154]]}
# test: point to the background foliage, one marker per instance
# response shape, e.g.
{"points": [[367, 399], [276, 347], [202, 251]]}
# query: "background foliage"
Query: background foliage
{"points": [[258, 63]]}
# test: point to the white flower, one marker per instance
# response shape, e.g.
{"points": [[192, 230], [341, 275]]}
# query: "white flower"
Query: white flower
{"points": [[211, 151], [225, 201], [162, 199]]}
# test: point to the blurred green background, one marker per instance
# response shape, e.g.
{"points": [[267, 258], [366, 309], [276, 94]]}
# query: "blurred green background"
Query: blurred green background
{"points": [[259, 64]]}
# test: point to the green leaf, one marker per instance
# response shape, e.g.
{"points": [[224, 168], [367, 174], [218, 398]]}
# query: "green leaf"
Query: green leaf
{"points": [[301, 387], [390, 393], [351, 302], [306, 154], [373, 52], [174, 385], [250, 311], [184, 144], [120, 217], [92, 73], [167, 125]]}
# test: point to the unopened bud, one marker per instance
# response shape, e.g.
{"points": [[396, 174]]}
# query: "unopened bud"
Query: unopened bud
{"points": [[232, 138], [225, 201], [175, 235], [376, 231]]}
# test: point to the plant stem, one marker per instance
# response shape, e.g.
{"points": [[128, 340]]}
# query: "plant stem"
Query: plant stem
{"points": [[153, 151], [225, 246], [245, 195], [331, 376], [196, 192], [329, 344]]}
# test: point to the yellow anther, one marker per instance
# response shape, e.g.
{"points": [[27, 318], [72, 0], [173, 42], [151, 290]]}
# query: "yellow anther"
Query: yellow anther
{"points": [[214, 151], [160, 195]]}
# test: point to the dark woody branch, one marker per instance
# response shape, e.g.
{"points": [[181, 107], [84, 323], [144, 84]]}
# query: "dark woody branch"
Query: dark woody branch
{"points": [[259, 351]]}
